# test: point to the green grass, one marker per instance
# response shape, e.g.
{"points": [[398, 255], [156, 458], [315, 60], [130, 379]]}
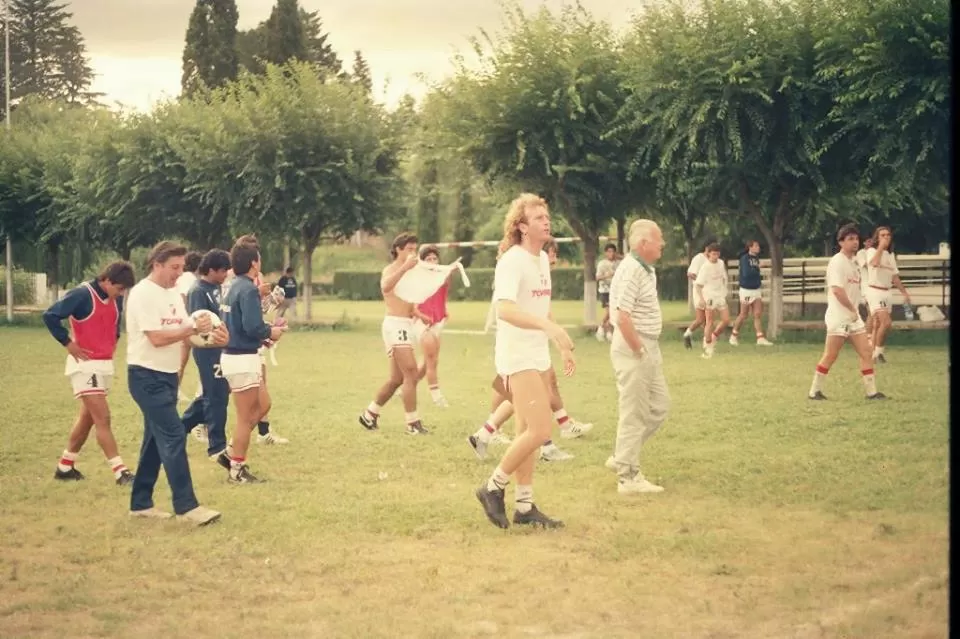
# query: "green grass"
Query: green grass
{"points": [[781, 517]]}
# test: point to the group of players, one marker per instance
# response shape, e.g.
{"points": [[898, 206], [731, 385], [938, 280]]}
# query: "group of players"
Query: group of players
{"points": [[231, 362]]}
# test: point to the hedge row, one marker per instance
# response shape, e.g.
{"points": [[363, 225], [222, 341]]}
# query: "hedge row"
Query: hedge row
{"points": [[23, 285], [567, 284]]}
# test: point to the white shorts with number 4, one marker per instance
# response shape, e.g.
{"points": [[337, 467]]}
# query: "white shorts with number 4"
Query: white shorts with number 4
{"points": [[89, 377], [397, 332], [242, 372], [750, 295], [843, 324], [877, 300]]}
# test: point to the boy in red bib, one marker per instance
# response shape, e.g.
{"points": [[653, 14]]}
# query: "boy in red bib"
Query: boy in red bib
{"points": [[93, 310]]}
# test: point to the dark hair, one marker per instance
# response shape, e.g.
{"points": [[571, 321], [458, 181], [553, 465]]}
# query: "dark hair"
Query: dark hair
{"points": [[119, 273], [713, 246], [750, 243], [163, 251], [401, 242], [876, 236], [214, 260], [246, 251], [429, 249], [846, 231], [289, 270], [709, 241], [551, 245], [192, 262], [609, 246]]}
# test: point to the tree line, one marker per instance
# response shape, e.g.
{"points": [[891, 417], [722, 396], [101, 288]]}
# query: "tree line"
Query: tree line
{"points": [[767, 118]]}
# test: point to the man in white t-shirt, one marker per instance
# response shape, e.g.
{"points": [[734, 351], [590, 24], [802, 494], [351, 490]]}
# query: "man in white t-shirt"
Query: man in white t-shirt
{"points": [[606, 267], [701, 316], [842, 318], [711, 293], [522, 290], [882, 275], [157, 323]]}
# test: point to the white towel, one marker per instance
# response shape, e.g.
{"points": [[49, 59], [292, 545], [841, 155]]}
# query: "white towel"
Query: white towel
{"points": [[425, 279]]}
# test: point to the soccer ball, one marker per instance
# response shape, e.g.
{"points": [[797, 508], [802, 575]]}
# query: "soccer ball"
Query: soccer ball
{"points": [[203, 340]]}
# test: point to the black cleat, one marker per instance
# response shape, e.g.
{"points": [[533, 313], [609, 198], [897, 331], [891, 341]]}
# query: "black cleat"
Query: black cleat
{"points": [[877, 395], [369, 424], [126, 477], [688, 341], [243, 476], [417, 428], [72, 474], [818, 396], [493, 506], [536, 519], [881, 359], [224, 460]]}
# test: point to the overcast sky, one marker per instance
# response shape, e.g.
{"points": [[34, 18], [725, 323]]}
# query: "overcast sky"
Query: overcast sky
{"points": [[135, 46]]}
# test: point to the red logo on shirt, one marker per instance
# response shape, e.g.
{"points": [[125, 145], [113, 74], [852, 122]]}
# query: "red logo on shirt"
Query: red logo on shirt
{"points": [[541, 292], [170, 321]]}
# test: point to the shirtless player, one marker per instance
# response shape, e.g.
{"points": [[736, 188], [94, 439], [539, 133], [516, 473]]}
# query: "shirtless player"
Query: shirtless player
{"points": [[398, 339]]}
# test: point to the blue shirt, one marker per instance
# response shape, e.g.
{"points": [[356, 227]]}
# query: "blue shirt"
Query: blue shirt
{"points": [[76, 303], [244, 317], [749, 272]]}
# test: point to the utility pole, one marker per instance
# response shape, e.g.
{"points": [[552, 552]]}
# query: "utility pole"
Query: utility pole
{"points": [[6, 100]]}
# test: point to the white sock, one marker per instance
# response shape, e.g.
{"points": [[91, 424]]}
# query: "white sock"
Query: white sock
{"points": [[524, 498], [66, 461], [563, 420], [412, 418], [498, 480], [435, 393], [116, 465], [485, 433], [372, 411], [869, 381], [818, 376]]}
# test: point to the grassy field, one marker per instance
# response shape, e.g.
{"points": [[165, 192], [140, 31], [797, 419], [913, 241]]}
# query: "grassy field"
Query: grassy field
{"points": [[781, 517]]}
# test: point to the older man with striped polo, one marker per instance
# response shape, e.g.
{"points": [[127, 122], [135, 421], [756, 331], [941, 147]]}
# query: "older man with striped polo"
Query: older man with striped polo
{"points": [[635, 354]]}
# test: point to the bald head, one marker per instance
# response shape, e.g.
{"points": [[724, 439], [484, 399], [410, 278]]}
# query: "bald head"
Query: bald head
{"points": [[646, 240]]}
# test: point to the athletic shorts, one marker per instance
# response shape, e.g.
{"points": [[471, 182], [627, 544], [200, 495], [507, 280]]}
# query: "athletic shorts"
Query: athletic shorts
{"points": [[750, 295], [878, 300], [604, 299], [842, 325], [715, 303], [398, 332], [242, 372], [89, 377], [420, 329]]}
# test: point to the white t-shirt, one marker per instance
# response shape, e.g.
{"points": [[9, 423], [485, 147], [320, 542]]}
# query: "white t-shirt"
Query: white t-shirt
{"points": [[698, 260], [185, 282], [882, 275], [524, 279], [845, 273], [151, 307], [712, 276], [606, 267]]}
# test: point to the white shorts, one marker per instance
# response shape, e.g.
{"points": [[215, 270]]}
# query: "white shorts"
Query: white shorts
{"points": [[699, 305], [716, 303], [242, 372], [841, 325], [89, 377], [750, 295], [398, 331], [877, 300], [420, 329]]}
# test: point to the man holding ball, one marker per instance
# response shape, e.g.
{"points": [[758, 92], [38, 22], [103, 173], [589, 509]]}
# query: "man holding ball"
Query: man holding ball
{"points": [[157, 324]]}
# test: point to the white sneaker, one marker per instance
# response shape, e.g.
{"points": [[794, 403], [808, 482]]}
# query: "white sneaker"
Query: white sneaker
{"points": [[150, 513], [637, 485], [272, 438], [500, 439], [600, 335], [763, 341], [553, 453], [610, 464], [200, 433], [707, 351], [200, 516], [575, 430], [735, 341]]}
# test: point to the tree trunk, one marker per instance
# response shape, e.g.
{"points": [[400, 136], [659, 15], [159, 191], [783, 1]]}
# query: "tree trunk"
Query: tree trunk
{"points": [[589, 280], [309, 246], [125, 252], [53, 271], [622, 236], [286, 253], [463, 230]]}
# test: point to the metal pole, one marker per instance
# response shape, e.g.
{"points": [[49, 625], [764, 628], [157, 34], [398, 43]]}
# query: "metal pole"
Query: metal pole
{"points": [[6, 97]]}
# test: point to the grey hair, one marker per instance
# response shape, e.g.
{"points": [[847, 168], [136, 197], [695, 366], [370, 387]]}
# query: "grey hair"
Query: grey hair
{"points": [[641, 230]]}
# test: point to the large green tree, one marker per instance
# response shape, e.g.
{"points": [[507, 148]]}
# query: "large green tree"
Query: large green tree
{"points": [[210, 54], [285, 37], [251, 47]]}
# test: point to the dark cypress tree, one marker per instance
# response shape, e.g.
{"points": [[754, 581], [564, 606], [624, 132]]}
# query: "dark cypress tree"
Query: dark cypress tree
{"points": [[361, 72], [285, 36], [210, 54]]}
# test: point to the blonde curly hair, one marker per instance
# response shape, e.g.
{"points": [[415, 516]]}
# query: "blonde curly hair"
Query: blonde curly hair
{"points": [[517, 214]]}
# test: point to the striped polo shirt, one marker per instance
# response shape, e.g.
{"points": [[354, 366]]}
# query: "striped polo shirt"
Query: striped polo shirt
{"points": [[634, 289]]}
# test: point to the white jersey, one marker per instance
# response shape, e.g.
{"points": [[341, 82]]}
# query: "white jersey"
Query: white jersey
{"points": [[844, 273], [185, 282], [698, 260], [605, 268], [881, 276], [524, 279], [150, 307], [713, 278]]}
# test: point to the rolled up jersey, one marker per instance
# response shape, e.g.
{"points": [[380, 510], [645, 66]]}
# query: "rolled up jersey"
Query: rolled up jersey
{"points": [[425, 279]]}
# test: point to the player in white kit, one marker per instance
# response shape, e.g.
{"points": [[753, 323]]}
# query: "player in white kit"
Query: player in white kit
{"points": [[701, 316], [711, 291], [882, 275], [522, 291], [842, 318]]}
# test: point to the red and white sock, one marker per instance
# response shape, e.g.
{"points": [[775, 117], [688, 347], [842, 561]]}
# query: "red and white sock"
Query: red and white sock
{"points": [[237, 462], [117, 466], [486, 432], [818, 376], [372, 412], [869, 381], [66, 461], [563, 420]]}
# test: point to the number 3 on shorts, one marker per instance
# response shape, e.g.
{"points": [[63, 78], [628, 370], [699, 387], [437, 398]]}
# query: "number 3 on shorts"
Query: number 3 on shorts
{"points": [[402, 335]]}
